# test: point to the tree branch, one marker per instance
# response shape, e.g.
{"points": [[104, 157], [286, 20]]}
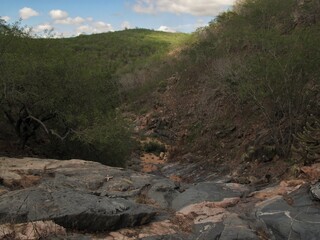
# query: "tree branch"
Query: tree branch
{"points": [[50, 131]]}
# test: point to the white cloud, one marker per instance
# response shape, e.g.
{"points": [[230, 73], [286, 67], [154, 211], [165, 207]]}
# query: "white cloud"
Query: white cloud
{"points": [[58, 14], [103, 27], [43, 27], [70, 21], [166, 29], [197, 8], [26, 13], [96, 27], [125, 25], [6, 18], [84, 29]]}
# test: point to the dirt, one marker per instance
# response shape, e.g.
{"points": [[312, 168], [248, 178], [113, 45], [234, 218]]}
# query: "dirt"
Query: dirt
{"points": [[151, 163]]}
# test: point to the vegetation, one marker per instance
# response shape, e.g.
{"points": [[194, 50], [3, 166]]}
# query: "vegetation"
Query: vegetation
{"points": [[154, 147], [64, 93], [308, 143], [263, 53]]}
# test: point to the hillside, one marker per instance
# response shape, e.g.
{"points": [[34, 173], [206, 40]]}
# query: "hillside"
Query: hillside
{"points": [[240, 93], [217, 133], [59, 94], [244, 97]]}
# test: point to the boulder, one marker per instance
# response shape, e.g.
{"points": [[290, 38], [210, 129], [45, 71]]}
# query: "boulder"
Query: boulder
{"points": [[208, 191], [295, 217], [315, 191], [75, 194], [31, 230]]}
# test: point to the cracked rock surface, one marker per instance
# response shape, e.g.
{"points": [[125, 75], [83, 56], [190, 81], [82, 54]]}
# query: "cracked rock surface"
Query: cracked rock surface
{"points": [[76, 199]]}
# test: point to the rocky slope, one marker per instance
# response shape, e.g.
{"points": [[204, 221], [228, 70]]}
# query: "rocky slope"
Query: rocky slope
{"points": [[76, 199]]}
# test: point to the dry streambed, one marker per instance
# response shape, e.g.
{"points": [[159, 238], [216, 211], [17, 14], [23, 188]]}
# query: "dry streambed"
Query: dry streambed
{"points": [[78, 199]]}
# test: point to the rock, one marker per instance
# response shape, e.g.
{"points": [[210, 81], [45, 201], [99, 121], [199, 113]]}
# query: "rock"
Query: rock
{"points": [[72, 209], [235, 228], [282, 189], [297, 220], [159, 229], [208, 191], [315, 191], [208, 212], [31, 230], [123, 204], [162, 192], [75, 194], [312, 172], [162, 155]]}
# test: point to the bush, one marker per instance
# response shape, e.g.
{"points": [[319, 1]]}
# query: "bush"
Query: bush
{"points": [[263, 52], [154, 147]]}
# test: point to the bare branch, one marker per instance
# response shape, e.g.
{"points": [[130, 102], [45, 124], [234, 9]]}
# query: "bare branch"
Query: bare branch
{"points": [[40, 122], [50, 131]]}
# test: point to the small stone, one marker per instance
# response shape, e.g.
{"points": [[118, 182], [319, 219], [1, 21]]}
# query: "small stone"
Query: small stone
{"points": [[315, 191], [162, 154]]}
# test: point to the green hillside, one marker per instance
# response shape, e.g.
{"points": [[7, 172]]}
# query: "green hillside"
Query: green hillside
{"points": [[244, 88], [250, 84], [62, 95]]}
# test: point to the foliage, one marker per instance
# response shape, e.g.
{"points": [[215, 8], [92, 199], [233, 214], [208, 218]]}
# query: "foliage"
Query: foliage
{"points": [[308, 143], [263, 52], [154, 147], [65, 92]]}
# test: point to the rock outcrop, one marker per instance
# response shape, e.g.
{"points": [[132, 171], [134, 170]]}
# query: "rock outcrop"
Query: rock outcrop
{"points": [[76, 199], [74, 194]]}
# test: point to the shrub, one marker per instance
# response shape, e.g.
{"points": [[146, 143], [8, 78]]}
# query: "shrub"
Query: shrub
{"points": [[154, 147]]}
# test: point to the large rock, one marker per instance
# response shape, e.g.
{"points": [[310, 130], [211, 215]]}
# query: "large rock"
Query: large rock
{"points": [[295, 216], [75, 194], [208, 191], [31, 231], [124, 204], [72, 209]]}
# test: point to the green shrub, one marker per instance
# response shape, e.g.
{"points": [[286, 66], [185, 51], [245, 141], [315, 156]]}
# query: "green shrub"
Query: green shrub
{"points": [[154, 147]]}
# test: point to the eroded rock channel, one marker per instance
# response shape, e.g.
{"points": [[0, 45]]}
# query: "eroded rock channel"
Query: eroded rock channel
{"points": [[76, 199]]}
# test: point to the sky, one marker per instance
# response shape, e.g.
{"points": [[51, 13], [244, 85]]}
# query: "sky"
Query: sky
{"points": [[73, 17]]}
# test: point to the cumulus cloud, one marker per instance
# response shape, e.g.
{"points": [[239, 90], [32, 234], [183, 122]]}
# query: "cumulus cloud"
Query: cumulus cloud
{"points": [[43, 27], [96, 27], [197, 8], [103, 27], [27, 12], [58, 14], [166, 29], [84, 29], [70, 21], [125, 25], [6, 18]]}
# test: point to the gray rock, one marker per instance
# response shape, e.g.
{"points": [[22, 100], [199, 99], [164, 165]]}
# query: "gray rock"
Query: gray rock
{"points": [[315, 191], [207, 191], [167, 237], [72, 209], [163, 191], [75, 194], [298, 220], [235, 228], [207, 231]]}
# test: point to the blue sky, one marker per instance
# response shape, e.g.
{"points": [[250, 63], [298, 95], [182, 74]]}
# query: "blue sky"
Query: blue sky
{"points": [[73, 17]]}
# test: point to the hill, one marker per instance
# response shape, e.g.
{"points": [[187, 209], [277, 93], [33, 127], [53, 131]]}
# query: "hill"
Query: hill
{"points": [[59, 97], [238, 95], [243, 98]]}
